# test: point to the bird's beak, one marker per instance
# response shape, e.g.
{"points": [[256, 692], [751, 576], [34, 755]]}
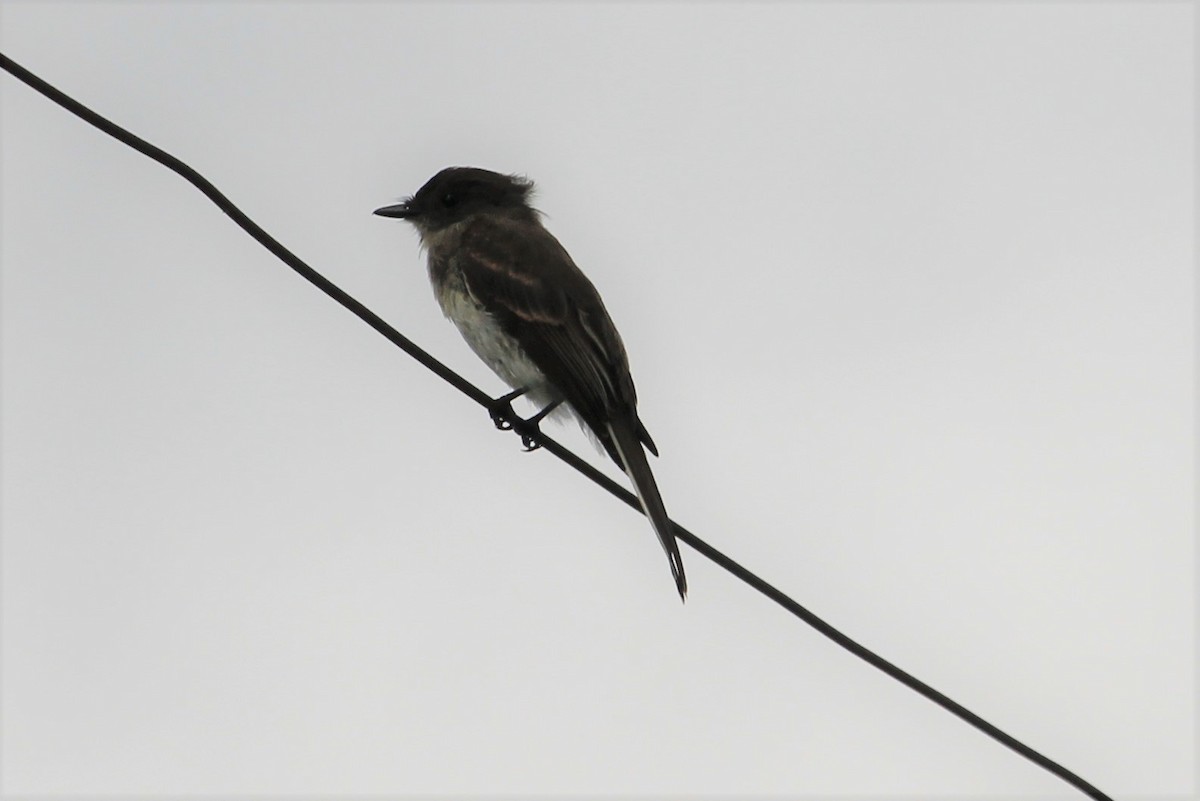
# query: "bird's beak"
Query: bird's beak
{"points": [[400, 211]]}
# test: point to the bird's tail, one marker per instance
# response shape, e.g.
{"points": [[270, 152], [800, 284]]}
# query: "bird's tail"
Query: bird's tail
{"points": [[633, 458]]}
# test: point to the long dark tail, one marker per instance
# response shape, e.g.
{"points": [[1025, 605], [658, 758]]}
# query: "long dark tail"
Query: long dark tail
{"points": [[629, 447]]}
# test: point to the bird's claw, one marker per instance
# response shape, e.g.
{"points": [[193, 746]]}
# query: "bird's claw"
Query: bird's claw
{"points": [[502, 414], [531, 427], [501, 411]]}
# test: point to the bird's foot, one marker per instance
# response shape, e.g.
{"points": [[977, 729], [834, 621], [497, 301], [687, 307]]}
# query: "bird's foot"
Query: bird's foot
{"points": [[501, 411], [529, 428]]}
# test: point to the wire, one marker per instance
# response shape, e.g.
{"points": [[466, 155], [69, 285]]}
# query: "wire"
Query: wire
{"points": [[531, 432]]}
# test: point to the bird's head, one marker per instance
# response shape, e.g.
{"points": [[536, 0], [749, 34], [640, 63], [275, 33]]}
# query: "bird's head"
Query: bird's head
{"points": [[456, 193]]}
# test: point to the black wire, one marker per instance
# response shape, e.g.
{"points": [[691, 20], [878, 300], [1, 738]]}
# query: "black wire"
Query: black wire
{"points": [[523, 428]]}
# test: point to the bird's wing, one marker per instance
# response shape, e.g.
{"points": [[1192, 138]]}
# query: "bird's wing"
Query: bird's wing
{"points": [[526, 280]]}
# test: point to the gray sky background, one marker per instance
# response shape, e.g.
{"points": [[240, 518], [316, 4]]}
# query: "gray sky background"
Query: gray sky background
{"points": [[908, 293]]}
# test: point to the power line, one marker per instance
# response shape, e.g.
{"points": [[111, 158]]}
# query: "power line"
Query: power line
{"points": [[531, 433]]}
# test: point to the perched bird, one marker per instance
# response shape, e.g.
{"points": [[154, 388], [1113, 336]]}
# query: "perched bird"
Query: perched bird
{"points": [[533, 317]]}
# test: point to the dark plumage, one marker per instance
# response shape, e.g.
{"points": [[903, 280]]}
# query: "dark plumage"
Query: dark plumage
{"points": [[529, 312]]}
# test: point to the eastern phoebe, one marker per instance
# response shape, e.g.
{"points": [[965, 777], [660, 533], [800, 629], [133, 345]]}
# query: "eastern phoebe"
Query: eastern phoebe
{"points": [[533, 316]]}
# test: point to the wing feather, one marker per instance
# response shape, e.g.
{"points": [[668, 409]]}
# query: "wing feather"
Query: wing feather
{"points": [[530, 285]]}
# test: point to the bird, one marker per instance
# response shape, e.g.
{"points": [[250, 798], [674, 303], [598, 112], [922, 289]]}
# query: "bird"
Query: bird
{"points": [[532, 316]]}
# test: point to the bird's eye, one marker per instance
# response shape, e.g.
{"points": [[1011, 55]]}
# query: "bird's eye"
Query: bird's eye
{"points": [[449, 200]]}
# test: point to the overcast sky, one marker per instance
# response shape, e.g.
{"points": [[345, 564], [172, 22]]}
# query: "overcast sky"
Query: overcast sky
{"points": [[908, 294]]}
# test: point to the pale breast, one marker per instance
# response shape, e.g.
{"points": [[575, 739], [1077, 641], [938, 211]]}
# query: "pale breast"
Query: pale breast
{"points": [[497, 349]]}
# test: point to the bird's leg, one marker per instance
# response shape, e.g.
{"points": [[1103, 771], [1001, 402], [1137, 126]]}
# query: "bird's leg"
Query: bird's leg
{"points": [[532, 423], [501, 409]]}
